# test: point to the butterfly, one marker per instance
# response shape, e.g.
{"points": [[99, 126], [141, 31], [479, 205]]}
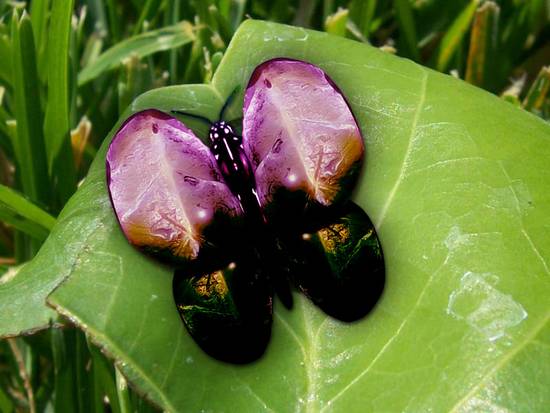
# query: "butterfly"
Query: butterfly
{"points": [[246, 216]]}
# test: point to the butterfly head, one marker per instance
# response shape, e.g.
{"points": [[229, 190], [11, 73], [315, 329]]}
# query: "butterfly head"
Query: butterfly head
{"points": [[220, 131]]}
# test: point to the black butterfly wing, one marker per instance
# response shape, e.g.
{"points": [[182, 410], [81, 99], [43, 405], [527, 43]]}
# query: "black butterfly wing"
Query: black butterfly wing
{"points": [[228, 310], [173, 204], [307, 151], [340, 265]]}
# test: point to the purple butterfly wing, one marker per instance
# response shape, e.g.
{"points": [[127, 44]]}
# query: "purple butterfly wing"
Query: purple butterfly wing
{"points": [[166, 189], [302, 139]]}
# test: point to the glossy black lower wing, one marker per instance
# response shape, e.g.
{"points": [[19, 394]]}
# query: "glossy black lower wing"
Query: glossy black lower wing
{"points": [[339, 263], [227, 311]]}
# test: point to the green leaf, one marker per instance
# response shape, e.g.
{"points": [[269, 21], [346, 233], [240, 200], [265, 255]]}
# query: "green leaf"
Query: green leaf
{"points": [[17, 211], [456, 183], [141, 45]]}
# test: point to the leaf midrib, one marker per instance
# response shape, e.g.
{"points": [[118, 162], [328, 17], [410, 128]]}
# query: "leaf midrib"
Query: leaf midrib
{"points": [[416, 117]]}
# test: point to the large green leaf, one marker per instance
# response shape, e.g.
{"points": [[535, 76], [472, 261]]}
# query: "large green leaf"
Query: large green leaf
{"points": [[457, 185]]}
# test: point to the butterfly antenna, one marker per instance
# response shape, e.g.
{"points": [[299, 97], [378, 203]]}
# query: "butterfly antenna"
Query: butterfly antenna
{"points": [[228, 102], [207, 121]]}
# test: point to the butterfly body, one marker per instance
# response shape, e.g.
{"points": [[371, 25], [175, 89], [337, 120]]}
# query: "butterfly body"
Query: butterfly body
{"points": [[235, 167], [243, 218]]}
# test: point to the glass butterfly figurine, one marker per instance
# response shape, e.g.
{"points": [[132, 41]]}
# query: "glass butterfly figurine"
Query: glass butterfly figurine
{"points": [[241, 219]]}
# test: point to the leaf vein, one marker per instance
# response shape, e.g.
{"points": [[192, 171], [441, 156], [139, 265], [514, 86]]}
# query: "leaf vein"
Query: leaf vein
{"points": [[114, 295], [524, 233], [390, 340], [292, 333], [502, 362], [172, 361], [252, 392], [414, 124]]}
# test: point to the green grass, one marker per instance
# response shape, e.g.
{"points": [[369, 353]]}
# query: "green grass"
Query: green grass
{"points": [[68, 72]]}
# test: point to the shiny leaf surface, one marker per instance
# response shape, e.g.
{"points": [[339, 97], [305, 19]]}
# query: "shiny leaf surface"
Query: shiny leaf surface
{"points": [[456, 184]]}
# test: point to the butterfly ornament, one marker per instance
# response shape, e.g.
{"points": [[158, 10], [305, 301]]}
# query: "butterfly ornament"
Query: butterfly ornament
{"points": [[242, 219]]}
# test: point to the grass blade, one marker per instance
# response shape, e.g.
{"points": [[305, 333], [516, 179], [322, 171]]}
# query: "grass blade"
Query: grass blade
{"points": [[57, 123], [63, 349], [5, 140], [407, 28], [538, 92], [174, 17], [237, 12], [304, 13], [123, 392], [204, 15], [96, 10], [483, 43], [24, 246], [142, 45], [5, 403], [452, 39], [133, 79], [24, 373], [147, 10], [39, 19], [5, 56], [336, 23], [364, 10], [79, 140], [511, 93], [22, 214], [192, 71], [83, 378], [29, 143], [104, 379], [114, 28], [224, 27]]}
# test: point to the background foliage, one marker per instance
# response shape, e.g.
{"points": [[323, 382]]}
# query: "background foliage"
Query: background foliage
{"points": [[69, 69]]}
